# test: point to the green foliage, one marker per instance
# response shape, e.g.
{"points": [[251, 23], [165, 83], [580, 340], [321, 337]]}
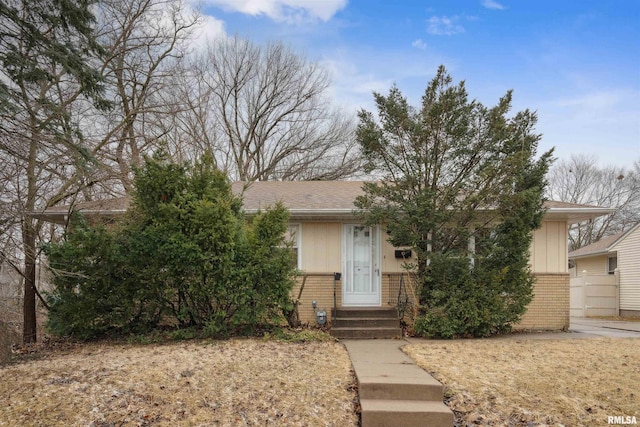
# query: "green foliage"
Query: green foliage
{"points": [[185, 255], [89, 300], [455, 172], [297, 335], [184, 334], [41, 37]]}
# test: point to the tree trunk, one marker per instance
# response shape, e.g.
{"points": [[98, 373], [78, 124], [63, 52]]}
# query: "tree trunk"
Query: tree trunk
{"points": [[29, 302], [29, 244]]}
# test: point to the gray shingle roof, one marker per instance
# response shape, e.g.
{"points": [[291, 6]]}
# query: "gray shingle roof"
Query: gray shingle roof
{"points": [[605, 245], [300, 195], [310, 198], [599, 247]]}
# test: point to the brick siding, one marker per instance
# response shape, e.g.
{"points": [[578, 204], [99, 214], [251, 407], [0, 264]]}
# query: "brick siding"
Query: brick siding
{"points": [[318, 289], [549, 309]]}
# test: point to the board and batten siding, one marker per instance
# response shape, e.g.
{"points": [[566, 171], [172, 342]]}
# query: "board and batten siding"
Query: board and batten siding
{"points": [[321, 247], [549, 308], [391, 264], [549, 248], [629, 269], [594, 265]]}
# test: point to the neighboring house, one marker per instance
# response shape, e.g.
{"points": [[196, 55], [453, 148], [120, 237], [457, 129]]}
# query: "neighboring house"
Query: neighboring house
{"points": [[328, 239], [611, 267], [10, 284]]}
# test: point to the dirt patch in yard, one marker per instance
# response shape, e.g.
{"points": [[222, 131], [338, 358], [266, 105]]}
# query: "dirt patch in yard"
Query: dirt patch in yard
{"points": [[236, 382], [522, 382]]}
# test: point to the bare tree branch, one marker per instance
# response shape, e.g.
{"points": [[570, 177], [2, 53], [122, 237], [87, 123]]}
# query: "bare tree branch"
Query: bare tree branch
{"points": [[581, 180], [270, 114]]}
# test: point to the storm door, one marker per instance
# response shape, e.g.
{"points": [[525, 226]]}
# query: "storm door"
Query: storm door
{"points": [[361, 265]]}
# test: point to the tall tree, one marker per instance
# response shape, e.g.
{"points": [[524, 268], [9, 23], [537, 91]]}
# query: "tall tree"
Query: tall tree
{"points": [[46, 47], [36, 34], [145, 41], [271, 117], [461, 185], [581, 180]]}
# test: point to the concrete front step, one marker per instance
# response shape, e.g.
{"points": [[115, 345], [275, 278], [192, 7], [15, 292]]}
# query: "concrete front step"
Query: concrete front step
{"points": [[398, 386], [366, 332], [369, 312], [406, 413], [394, 391], [365, 322]]}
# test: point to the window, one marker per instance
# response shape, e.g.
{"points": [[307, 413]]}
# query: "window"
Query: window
{"points": [[612, 264], [484, 240], [292, 237], [452, 241]]}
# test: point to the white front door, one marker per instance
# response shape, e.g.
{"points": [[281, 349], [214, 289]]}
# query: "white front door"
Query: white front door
{"points": [[361, 265]]}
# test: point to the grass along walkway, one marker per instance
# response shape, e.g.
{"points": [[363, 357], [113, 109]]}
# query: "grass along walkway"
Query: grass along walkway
{"points": [[236, 382], [571, 382]]}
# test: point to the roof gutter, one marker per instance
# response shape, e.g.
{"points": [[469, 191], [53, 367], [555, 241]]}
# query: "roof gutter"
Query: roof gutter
{"points": [[592, 211], [336, 213], [577, 215]]}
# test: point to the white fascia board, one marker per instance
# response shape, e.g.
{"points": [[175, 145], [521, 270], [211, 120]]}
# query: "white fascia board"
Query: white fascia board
{"points": [[587, 211], [574, 215], [298, 213]]}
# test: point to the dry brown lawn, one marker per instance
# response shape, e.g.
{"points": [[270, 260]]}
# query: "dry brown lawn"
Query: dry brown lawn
{"points": [[238, 382], [525, 382]]}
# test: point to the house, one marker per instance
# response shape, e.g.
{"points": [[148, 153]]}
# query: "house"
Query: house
{"points": [[328, 239], [606, 276]]}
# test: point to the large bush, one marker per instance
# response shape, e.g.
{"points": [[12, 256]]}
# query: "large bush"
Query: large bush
{"points": [[484, 293], [462, 185], [185, 255]]}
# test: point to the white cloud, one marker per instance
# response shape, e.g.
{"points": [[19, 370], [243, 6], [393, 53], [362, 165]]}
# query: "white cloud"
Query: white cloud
{"points": [[595, 101], [290, 11], [491, 4], [351, 86], [356, 74], [419, 44], [209, 29], [444, 26], [164, 17], [603, 123]]}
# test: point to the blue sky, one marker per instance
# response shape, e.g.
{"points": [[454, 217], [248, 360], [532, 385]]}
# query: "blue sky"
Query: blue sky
{"points": [[575, 62]]}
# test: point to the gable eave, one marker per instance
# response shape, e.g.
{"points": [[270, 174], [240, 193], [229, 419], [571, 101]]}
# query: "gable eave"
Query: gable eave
{"points": [[319, 214], [593, 254], [624, 236], [575, 215]]}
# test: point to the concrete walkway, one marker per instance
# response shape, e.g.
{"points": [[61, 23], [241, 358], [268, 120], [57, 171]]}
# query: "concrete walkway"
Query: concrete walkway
{"points": [[580, 327], [605, 328], [394, 391]]}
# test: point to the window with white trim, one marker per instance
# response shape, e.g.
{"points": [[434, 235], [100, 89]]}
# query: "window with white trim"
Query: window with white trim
{"points": [[612, 264], [292, 237]]}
